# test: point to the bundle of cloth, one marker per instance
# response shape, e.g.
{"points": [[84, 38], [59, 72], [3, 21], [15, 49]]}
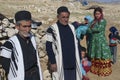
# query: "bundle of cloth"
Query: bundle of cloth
{"points": [[81, 30]]}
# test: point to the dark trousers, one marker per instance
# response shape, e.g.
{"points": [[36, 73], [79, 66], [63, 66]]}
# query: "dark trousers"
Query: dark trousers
{"points": [[114, 53], [32, 74], [70, 74]]}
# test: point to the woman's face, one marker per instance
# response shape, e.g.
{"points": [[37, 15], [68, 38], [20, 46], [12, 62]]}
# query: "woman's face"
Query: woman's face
{"points": [[97, 15]]}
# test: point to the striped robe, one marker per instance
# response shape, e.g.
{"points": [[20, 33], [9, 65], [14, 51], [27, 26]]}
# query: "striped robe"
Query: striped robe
{"points": [[16, 70], [56, 45]]}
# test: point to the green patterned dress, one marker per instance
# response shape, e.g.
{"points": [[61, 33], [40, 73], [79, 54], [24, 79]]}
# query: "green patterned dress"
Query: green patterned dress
{"points": [[99, 50]]}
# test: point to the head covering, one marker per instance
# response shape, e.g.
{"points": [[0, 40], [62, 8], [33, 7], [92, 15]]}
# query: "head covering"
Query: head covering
{"points": [[22, 15], [62, 9], [89, 18], [113, 29]]}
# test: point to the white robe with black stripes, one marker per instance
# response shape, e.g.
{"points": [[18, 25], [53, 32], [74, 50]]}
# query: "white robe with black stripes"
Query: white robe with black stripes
{"points": [[18, 74], [56, 45]]}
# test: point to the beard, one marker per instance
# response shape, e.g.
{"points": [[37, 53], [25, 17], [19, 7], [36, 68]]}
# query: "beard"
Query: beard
{"points": [[24, 34]]}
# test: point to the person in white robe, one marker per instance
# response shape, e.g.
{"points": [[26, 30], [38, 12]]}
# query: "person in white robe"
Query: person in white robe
{"points": [[19, 55], [62, 48]]}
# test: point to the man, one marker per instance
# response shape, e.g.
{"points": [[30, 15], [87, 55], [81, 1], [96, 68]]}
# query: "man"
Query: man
{"points": [[19, 55], [62, 48]]}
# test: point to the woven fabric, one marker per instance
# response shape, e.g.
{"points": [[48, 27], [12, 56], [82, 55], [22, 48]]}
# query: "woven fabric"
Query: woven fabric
{"points": [[101, 67]]}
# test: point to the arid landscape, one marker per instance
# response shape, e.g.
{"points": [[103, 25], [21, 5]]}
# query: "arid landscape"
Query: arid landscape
{"points": [[45, 11]]}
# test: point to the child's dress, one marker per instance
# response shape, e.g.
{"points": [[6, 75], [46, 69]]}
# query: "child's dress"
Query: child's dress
{"points": [[85, 67], [86, 64]]}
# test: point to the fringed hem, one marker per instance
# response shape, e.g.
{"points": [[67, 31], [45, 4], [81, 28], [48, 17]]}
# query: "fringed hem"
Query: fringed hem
{"points": [[101, 67]]}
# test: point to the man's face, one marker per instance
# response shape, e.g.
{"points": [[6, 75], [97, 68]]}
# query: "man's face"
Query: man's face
{"points": [[63, 18], [24, 28]]}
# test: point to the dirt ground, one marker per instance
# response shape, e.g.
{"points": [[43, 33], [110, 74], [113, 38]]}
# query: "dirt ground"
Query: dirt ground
{"points": [[113, 76], [115, 68], [40, 12]]}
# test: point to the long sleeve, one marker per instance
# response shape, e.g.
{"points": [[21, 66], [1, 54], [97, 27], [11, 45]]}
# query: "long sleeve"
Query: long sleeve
{"points": [[49, 49], [110, 36], [50, 52], [5, 56], [5, 62], [82, 69], [98, 27]]}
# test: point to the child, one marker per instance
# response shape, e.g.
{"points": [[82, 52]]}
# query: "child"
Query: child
{"points": [[113, 38], [86, 64], [81, 30]]}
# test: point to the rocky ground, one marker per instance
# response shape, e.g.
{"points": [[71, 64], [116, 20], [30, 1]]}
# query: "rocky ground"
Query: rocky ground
{"points": [[45, 11]]}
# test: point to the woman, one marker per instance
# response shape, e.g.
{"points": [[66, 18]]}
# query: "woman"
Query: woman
{"points": [[98, 50]]}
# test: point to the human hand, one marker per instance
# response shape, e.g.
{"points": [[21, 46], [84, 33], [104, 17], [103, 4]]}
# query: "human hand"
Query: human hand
{"points": [[93, 23], [53, 67]]}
